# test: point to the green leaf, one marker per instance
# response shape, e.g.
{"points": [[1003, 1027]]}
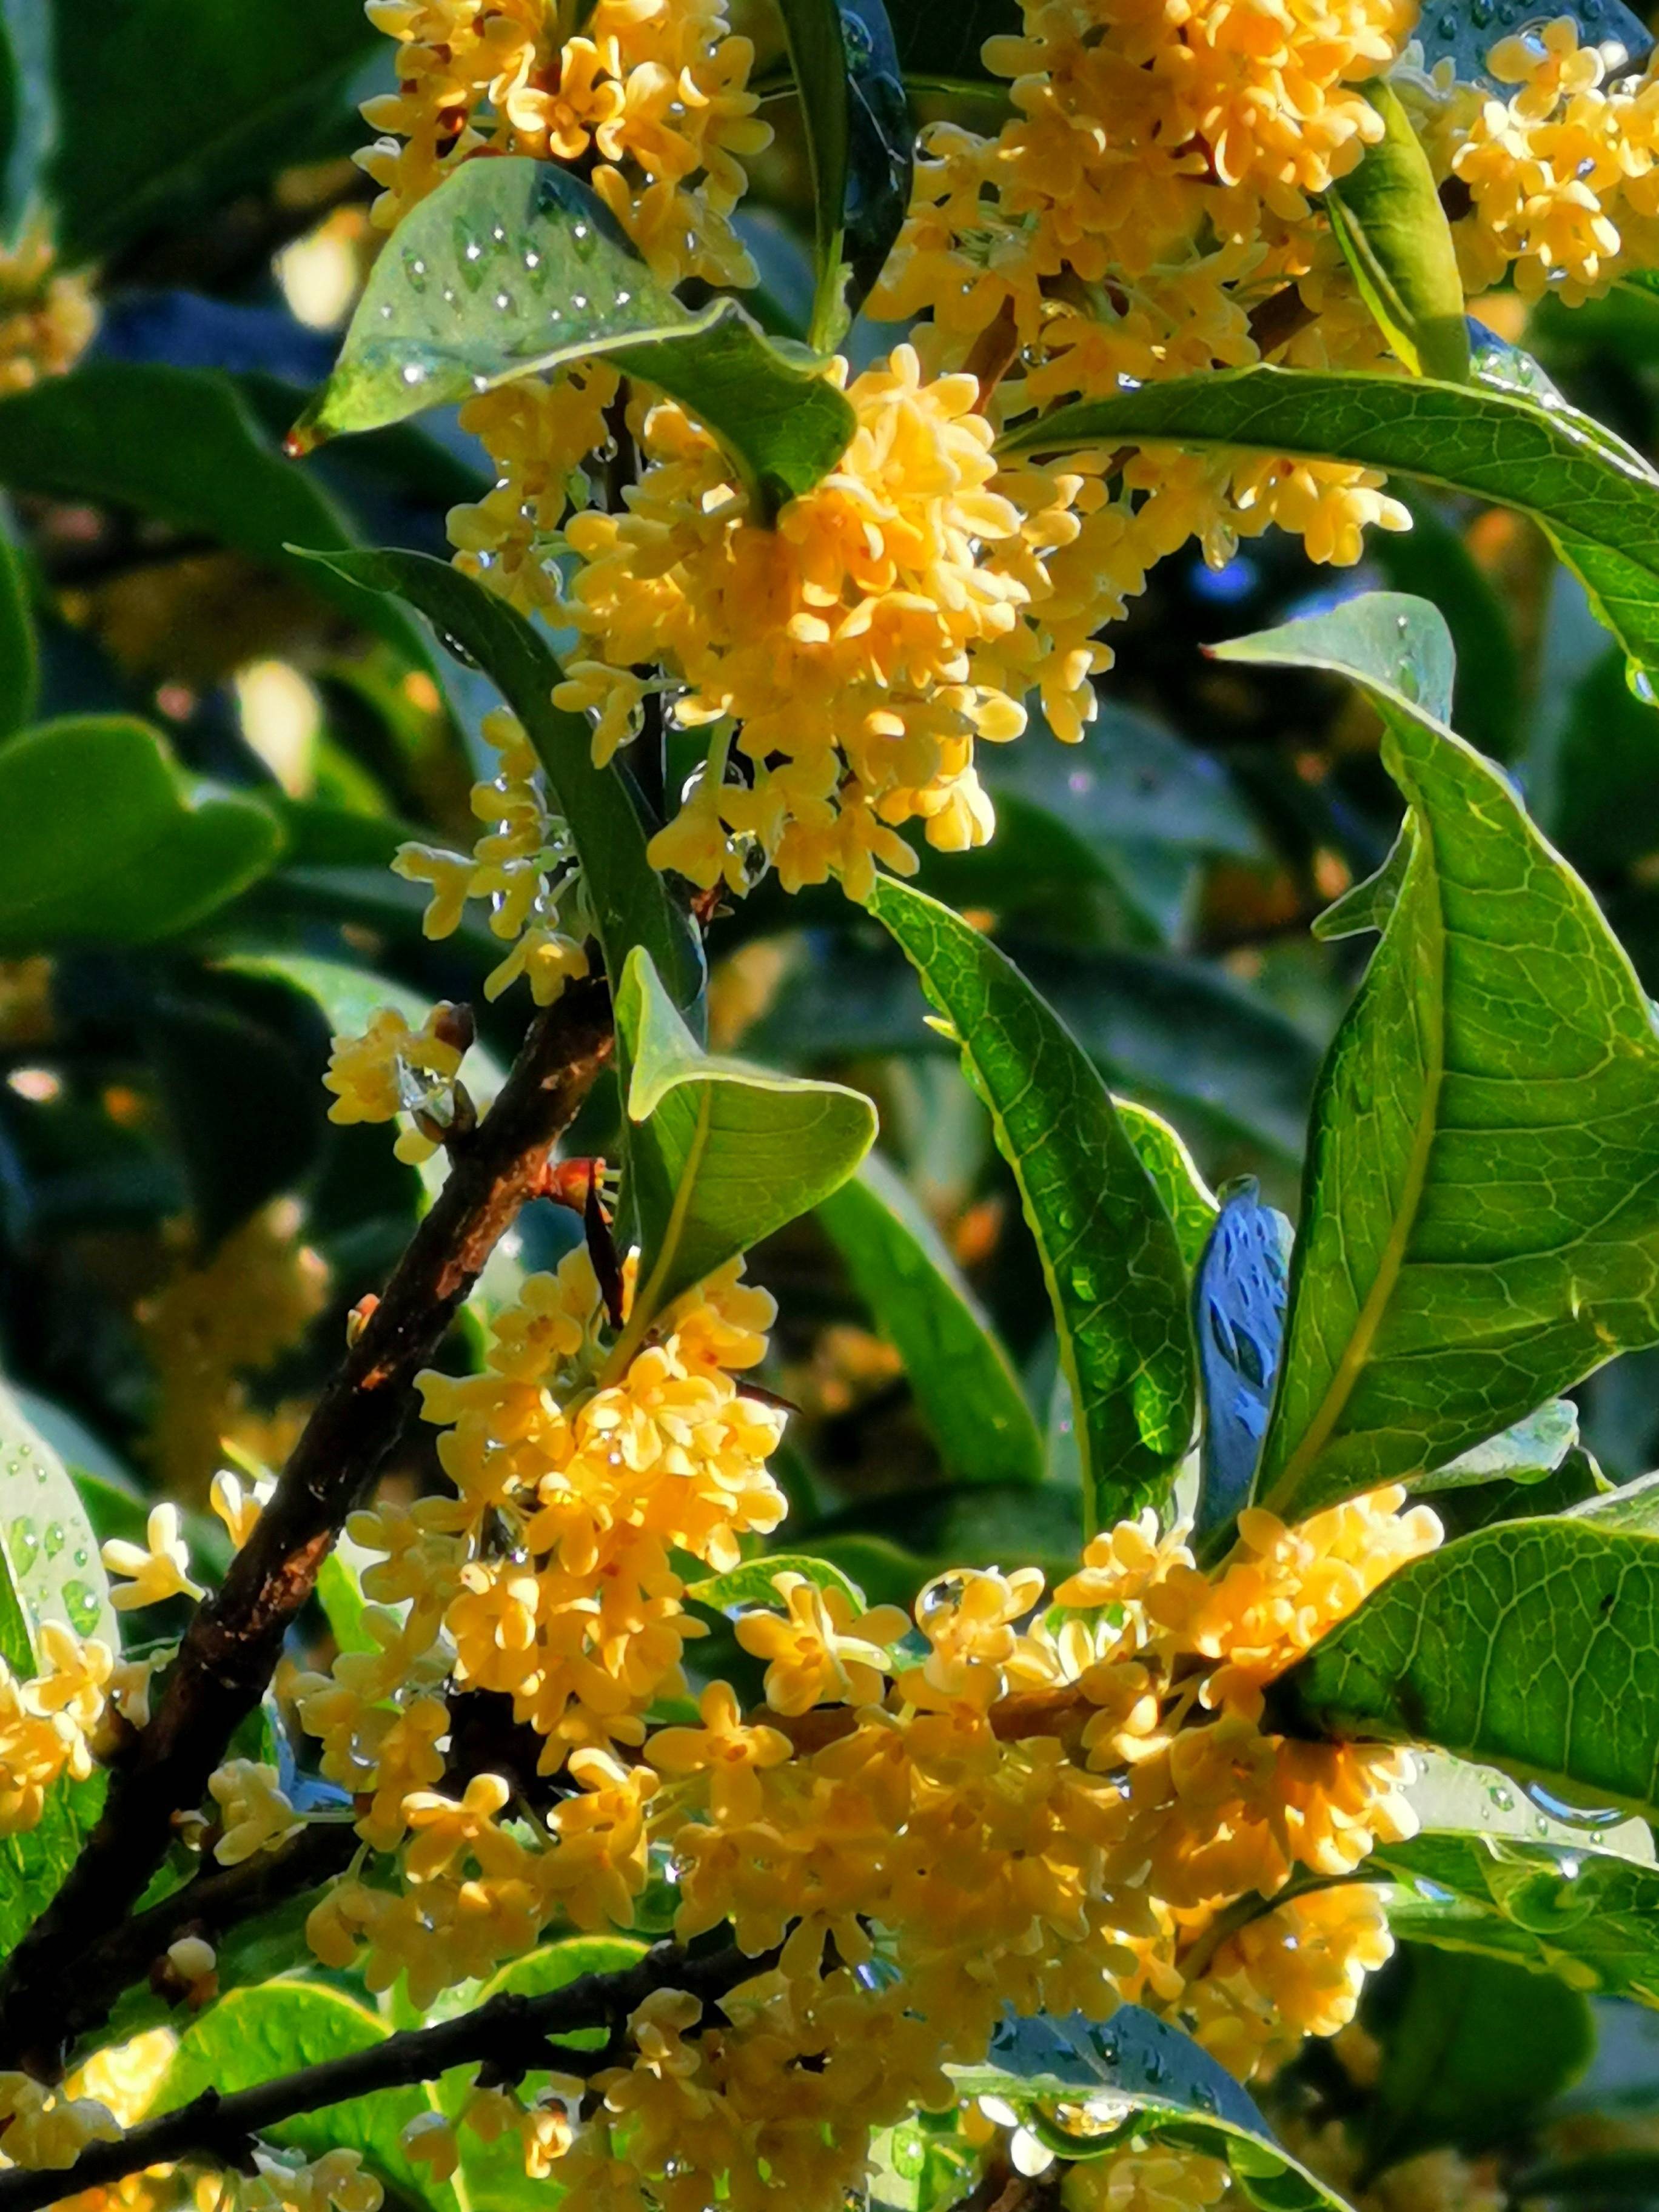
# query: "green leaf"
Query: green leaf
{"points": [[340, 1594], [254, 2035], [1108, 1247], [1132, 782], [1588, 1918], [752, 1583], [107, 841], [1526, 1646], [182, 445], [1480, 1212], [630, 903], [1187, 1199], [1525, 1453], [965, 1388], [20, 660], [720, 1154], [1473, 2048], [1151, 2078], [1596, 499], [1397, 243], [144, 140], [49, 1569], [858, 146], [512, 267]]}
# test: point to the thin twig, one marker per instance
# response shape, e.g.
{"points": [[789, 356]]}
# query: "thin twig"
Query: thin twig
{"points": [[236, 1637], [208, 1906], [512, 2034]]}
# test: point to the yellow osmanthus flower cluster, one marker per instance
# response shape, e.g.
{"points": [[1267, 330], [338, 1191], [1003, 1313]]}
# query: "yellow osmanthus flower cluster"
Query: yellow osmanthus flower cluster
{"points": [[652, 94], [47, 315], [895, 616], [391, 1070], [216, 1320], [931, 1818], [522, 869]]}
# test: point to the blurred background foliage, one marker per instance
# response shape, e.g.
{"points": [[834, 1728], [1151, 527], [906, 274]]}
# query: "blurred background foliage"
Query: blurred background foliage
{"points": [[193, 897]]}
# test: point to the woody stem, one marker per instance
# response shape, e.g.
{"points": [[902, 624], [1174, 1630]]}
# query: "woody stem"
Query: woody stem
{"points": [[511, 2033], [234, 1639]]}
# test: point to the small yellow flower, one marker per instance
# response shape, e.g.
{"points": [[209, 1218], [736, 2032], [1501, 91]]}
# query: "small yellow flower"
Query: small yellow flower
{"points": [[254, 1812], [156, 1570], [731, 1753]]}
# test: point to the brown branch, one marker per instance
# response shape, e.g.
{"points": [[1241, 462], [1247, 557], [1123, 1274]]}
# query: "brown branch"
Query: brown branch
{"points": [[512, 2034], [234, 1642], [207, 1906]]}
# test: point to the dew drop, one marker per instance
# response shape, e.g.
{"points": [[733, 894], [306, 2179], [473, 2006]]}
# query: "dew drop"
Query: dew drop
{"points": [[81, 1556], [579, 231], [532, 260], [1571, 1816], [54, 1539], [25, 1543], [81, 1605], [622, 298], [1446, 26], [579, 299], [1503, 1796], [473, 249], [453, 646], [414, 373]]}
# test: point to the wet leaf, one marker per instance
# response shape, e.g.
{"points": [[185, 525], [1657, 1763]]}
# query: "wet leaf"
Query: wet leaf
{"points": [[512, 267], [1481, 1218]]}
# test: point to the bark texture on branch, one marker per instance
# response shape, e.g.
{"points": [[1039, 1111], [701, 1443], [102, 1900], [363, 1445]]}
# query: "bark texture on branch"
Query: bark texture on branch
{"points": [[234, 1642], [511, 2033]]}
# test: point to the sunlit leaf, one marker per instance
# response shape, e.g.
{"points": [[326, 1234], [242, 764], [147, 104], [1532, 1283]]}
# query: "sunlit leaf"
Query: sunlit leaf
{"points": [[1394, 237], [512, 267], [1108, 1247]]}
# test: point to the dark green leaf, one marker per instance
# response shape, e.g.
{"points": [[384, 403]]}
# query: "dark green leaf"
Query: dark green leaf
{"points": [[1596, 792], [247, 1117], [1633, 1508], [20, 666], [938, 43], [1473, 2048], [106, 842], [1395, 239], [1597, 499], [512, 267], [858, 142], [143, 139], [1132, 781], [1480, 1203], [720, 1154], [1136, 2068], [630, 903], [1176, 1031], [1526, 1646], [959, 1374], [254, 2035], [1107, 1246], [181, 444]]}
